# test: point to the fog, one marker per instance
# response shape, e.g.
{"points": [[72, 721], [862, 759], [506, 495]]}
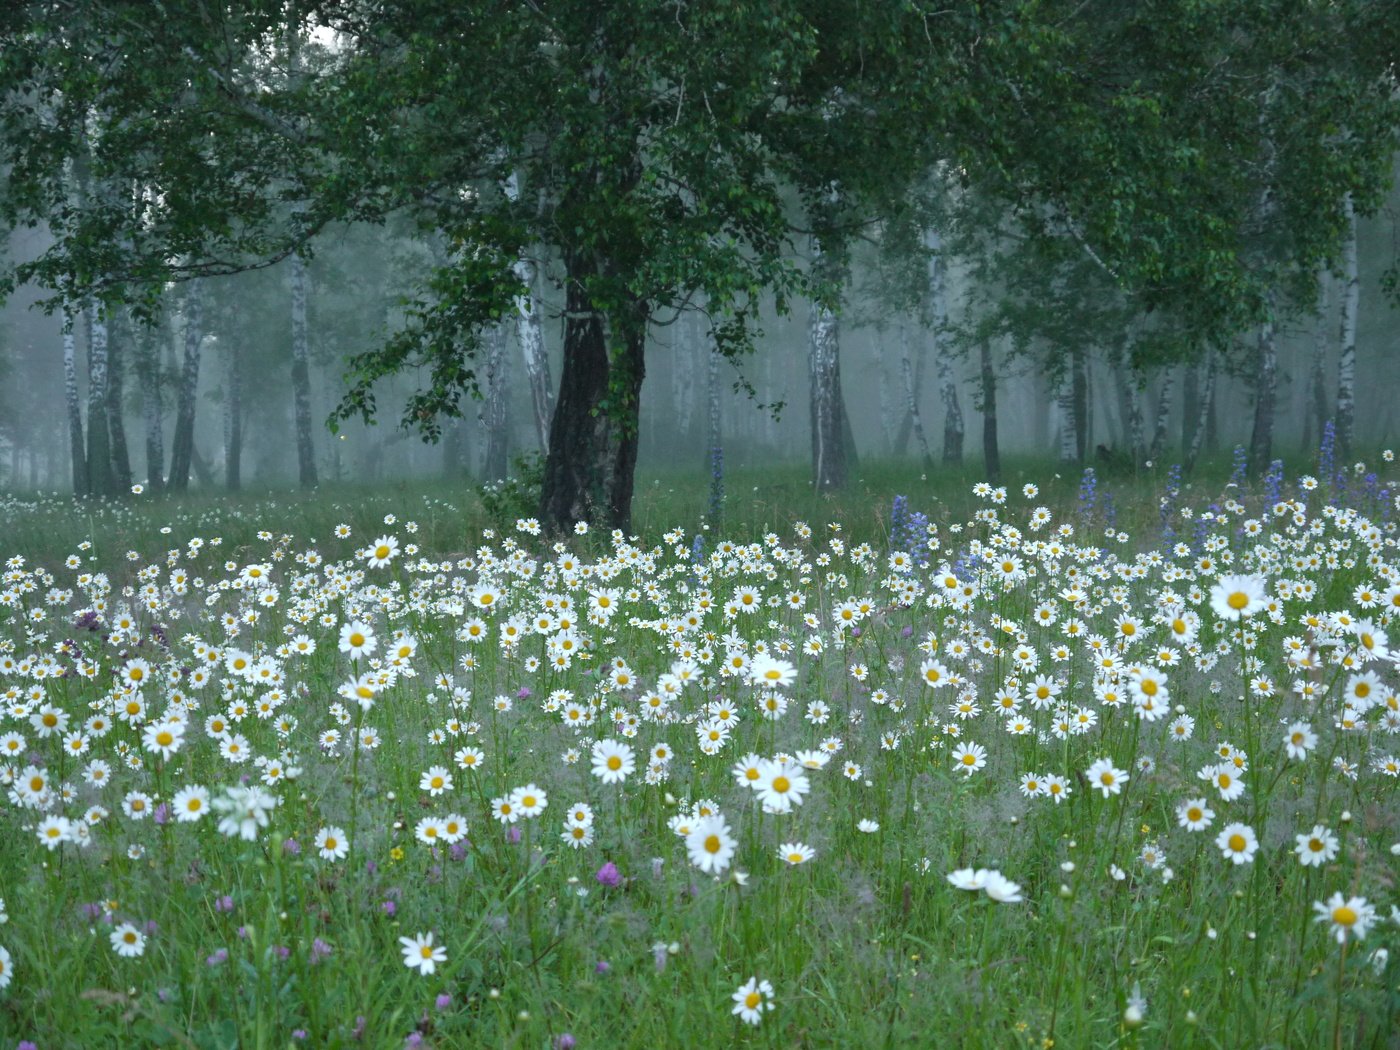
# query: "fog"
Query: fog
{"points": [[359, 279]]}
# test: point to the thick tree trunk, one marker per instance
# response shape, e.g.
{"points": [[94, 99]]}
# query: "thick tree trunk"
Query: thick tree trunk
{"points": [[496, 462], [152, 407], [1346, 361], [99, 446], [991, 453], [182, 444], [118, 335], [1164, 412], [1204, 413], [301, 376], [77, 451], [589, 472], [1265, 392], [911, 399], [233, 415]]}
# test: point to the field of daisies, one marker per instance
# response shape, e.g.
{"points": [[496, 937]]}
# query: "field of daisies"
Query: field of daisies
{"points": [[1021, 780]]}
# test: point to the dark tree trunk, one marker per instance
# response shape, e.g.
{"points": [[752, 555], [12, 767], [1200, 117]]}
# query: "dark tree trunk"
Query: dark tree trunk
{"points": [[1079, 403], [118, 335], [911, 401], [301, 376], [991, 453], [1204, 413], [1316, 411], [830, 434], [99, 446], [182, 444], [589, 472], [1346, 353], [1190, 405], [1164, 412], [496, 464], [76, 444]]}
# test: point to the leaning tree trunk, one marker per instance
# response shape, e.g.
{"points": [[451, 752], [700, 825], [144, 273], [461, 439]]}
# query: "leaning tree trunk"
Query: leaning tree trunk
{"points": [[144, 341], [496, 462], [911, 400], [99, 446], [182, 444], [301, 376], [991, 452], [77, 452], [1164, 412], [1203, 414], [233, 415], [589, 472], [1265, 392], [117, 337], [1346, 361]]}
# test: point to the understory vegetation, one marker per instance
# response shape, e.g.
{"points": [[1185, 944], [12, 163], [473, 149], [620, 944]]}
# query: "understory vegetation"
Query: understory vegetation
{"points": [[1078, 761]]}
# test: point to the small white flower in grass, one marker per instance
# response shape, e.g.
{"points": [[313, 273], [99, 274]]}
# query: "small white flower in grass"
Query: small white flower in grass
{"points": [[868, 826], [435, 780], [128, 941], [753, 998], [1237, 597], [613, 761], [379, 553], [1104, 776], [768, 672], [54, 831], [1316, 848], [357, 639], [1001, 889], [529, 800], [969, 878], [780, 786], [421, 954], [710, 845], [1299, 739], [969, 758], [796, 852], [1350, 916], [1194, 814], [7, 970], [331, 843], [1237, 842], [245, 810]]}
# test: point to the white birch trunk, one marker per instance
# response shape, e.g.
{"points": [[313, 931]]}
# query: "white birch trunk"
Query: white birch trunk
{"points": [[1265, 392], [828, 452], [911, 394], [77, 451], [1207, 397], [1164, 411], [495, 464], [99, 449], [301, 376], [1346, 361], [529, 333], [1064, 410], [182, 444]]}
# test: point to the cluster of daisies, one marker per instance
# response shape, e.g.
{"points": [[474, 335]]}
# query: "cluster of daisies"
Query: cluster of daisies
{"points": [[1014, 659]]}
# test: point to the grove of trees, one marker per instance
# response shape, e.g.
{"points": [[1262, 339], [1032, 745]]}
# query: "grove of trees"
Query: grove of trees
{"points": [[1153, 182]]}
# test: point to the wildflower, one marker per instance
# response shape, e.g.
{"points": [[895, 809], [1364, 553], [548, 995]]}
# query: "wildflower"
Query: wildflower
{"points": [[867, 826], [245, 810], [781, 787], [419, 953], [435, 780], [331, 843], [1238, 597], [1194, 814], [1349, 916], [969, 758], [1237, 842], [378, 554], [613, 761], [796, 852], [1316, 848], [968, 878], [128, 941], [608, 875], [357, 640], [1001, 889], [7, 970], [710, 844], [529, 800], [1299, 739], [1104, 776], [752, 999]]}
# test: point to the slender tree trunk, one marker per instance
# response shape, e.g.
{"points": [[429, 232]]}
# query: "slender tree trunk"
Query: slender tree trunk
{"points": [[1164, 412], [233, 415], [684, 359], [301, 376], [529, 332], [1064, 409], [888, 416], [76, 445], [1130, 402], [953, 425], [117, 338], [99, 446], [182, 444], [589, 472], [496, 463], [1204, 413], [830, 437], [1265, 392], [152, 408], [1080, 403], [1315, 412], [1190, 404], [911, 399], [1346, 361], [991, 453]]}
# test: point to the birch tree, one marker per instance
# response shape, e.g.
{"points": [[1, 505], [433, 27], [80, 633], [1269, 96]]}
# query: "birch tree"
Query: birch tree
{"points": [[182, 443], [1346, 355], [301, 375], [77, 450]]}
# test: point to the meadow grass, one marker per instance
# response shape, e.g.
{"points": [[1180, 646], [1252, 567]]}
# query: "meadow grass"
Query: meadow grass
{"points": [[931, 778]]}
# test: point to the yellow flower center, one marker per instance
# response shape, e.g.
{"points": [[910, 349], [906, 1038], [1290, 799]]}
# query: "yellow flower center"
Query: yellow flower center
{"points": [[712, 844], [752, 1000], [614, 763], [1344, 916], [1237, 600], [781, 784], [1237, 842]]}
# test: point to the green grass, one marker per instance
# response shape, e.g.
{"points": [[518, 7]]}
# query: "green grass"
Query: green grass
{"points": [[264, 944]]}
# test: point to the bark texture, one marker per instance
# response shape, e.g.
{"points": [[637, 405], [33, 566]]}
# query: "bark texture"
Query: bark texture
{"points": [[99, 446], [301, 376], [991, 451], [76, 444], [1346, 359], [496, 461], [1261, 441], [182, 444]]}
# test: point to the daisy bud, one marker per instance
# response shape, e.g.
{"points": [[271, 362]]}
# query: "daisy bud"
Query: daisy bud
{"points": [[1132, 1017], [1346, 816], [1065, 891]]}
